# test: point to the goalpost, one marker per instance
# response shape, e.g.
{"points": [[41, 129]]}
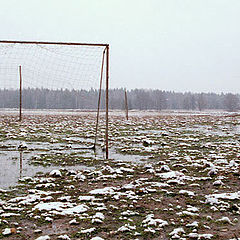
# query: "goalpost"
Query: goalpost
{"points": [[56, 65]]}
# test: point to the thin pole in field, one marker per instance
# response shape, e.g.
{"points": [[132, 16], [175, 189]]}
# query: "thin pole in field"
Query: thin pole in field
{"points": [[99, 100], [107, 82], [21, 162], [20, 93], [126, 104]]}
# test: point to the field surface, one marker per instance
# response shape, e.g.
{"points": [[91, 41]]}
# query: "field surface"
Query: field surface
{"points": [[170, 176]]}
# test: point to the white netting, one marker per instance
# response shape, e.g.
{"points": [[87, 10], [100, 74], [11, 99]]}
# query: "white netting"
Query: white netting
{"points": [[70, 67]]}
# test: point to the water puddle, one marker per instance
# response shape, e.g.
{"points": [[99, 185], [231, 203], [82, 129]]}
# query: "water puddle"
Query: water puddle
{"points": [[15, 162]]}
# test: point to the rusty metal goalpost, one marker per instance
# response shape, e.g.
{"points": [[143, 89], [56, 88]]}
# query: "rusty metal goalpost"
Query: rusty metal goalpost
{"points": [[105, 56]]}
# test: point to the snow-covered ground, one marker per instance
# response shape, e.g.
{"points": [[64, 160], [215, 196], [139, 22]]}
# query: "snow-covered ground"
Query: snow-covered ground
{"points": [[169, 176]]}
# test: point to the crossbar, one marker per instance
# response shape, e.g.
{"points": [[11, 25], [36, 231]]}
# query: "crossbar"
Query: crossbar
{"points": [[56, 43]]}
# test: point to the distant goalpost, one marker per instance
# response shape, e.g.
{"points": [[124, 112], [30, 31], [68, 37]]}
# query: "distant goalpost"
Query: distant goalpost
{"points": [[56, 65]]}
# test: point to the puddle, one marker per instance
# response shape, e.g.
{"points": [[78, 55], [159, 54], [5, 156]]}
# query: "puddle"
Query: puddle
{"points": [[128, 158], [204, 130], [154, 132], [235, 129], [72, 137], [15, 164]]}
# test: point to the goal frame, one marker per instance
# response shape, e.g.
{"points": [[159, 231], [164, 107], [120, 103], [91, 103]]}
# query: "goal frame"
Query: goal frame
{"points": [[106, 46]]}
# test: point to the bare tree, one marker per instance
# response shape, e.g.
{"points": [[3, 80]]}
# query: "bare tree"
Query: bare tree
{"points": [[231, 102], [201, 102]]}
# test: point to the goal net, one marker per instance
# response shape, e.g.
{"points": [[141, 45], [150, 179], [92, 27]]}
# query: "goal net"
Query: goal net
{"points": [[70, 73], [48, 75]]}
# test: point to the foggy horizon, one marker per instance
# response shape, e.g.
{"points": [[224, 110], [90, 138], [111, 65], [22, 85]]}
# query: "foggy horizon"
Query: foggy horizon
{"points": [[180, 46], [118, 88]]}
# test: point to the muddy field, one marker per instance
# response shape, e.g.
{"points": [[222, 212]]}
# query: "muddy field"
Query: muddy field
{"points": [[169, 176]]}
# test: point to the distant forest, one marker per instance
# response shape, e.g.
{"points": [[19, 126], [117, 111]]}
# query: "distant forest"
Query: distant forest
{"points": [[141, 99]]}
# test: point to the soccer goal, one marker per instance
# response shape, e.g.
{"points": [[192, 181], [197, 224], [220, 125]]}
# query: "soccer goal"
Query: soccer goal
{"points": [[63, 68]]}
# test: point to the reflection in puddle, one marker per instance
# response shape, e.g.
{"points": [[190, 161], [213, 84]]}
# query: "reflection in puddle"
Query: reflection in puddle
{"points": [[15, 163], [21, 163], [226, 130]]}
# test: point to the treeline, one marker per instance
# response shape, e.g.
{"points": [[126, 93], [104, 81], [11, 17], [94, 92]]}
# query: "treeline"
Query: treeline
{"points": [[141, 99]]}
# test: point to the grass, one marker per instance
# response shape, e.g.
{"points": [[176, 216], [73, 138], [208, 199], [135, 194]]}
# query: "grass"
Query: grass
{"points": [[174, 148]]}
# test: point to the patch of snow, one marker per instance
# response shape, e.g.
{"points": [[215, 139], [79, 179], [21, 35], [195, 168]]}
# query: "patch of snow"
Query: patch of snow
{"points": [[172, 174], [77, 209], [6, 231], [189, 193], [217, 183], [64, 237], [103, 191], [193, 224], [86, 198], [124, 169], [46, 237], [176, 232], [187, 213], [97, 238], [224, 220], [29, 199], [48, 219], [89, 230], [129, 213], [73, 222], [126, 228], [213, 198], [61, 207], [192, 209], [205, 236], [80, 177], [150, 221], [98, 218], [55, 173]]}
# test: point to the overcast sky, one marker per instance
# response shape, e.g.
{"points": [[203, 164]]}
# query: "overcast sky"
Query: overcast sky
{"points": [[180, 45]]}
